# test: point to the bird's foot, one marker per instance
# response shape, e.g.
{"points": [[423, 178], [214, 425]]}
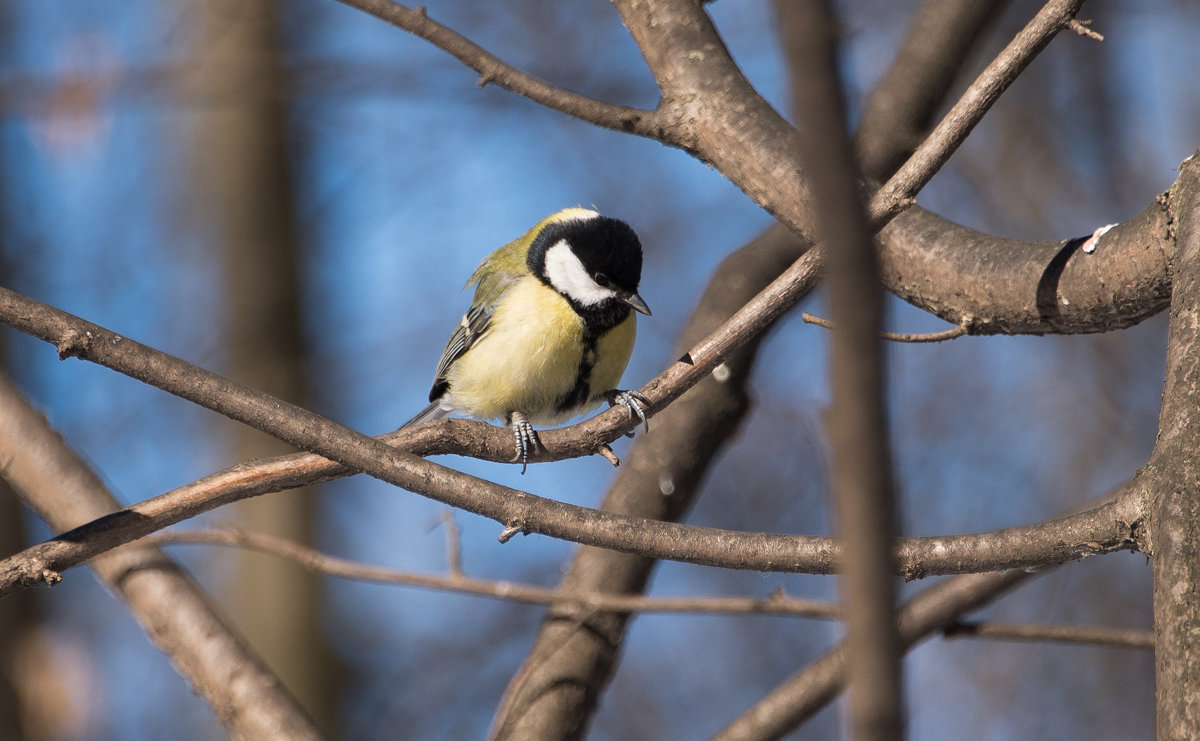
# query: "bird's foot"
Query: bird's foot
{"points": [[527, 438], [634, 402]]}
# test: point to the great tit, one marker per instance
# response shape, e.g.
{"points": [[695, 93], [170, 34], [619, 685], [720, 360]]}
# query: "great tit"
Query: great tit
{"points": [[550, 329]]}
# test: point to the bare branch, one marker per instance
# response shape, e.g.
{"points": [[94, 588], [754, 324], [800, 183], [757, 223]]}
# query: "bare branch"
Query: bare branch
{"points": [[1087, 634], [321, 563], [999, 286], [1084, 28]]}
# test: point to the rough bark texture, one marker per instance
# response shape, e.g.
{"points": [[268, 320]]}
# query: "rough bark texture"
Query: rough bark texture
{"points": [[1001, 286], [1175, 472]]}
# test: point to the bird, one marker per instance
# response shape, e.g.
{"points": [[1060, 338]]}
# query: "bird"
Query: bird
{"points": [[550, 329]]}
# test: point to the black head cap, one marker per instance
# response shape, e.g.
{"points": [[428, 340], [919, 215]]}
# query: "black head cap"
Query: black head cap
{"points": [[606, 247]]}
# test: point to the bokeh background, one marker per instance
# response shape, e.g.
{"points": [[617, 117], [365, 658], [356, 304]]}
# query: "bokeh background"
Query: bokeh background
{"points": [[292, 193]]}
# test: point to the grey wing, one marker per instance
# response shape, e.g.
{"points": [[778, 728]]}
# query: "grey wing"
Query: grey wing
{"points": [[471, 329]]}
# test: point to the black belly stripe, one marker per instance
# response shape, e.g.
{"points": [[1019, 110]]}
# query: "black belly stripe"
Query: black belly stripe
{"points": [[579, 391]]}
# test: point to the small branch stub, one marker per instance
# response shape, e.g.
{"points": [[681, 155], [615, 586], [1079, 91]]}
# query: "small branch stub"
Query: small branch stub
{"points": [[507, 533], [1084, 28], [72, 344], [607, 453]]}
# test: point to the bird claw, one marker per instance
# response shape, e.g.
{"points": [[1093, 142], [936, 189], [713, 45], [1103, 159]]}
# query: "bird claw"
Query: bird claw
{"points": [[526, 437], [634, 402]]}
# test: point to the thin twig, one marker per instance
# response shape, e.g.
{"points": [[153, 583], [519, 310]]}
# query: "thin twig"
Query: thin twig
{"points": [[1040, 632], [946, 334], [321, 563]]}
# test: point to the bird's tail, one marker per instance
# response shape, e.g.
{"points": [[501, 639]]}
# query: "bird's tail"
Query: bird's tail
{"points": [[431, 412]]}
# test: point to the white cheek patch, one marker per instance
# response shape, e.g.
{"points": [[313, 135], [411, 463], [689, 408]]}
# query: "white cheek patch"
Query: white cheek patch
{"points": [[568, 276]]}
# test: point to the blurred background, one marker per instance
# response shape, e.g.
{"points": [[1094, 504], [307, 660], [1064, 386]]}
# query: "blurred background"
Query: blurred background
{"points": [[291, 193]]}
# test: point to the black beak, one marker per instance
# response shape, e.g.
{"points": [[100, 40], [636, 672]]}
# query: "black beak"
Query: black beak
{"points": [[636, 302]]}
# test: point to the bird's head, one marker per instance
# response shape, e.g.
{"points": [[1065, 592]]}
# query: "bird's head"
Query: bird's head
{"points": [[593, 261]]}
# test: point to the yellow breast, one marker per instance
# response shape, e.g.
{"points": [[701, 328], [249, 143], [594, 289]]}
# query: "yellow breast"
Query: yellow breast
{"points": [[531, 359]]}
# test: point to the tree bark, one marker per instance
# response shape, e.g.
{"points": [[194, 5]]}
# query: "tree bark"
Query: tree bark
{"points": [[1174, 470]]}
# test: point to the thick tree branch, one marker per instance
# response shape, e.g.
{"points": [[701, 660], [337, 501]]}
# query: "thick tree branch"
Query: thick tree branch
{"points": [[172, 610], [713, 112], [1174, 473], [1001, 286]]}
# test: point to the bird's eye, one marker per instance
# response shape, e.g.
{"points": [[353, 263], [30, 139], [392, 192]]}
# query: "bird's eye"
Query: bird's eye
{"points": [[602, 280]]}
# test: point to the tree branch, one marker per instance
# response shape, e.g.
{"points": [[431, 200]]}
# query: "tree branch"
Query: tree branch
{"points": [[1002, 286], [1093, 635], [943, 336], [1174, 472], [581, 603], [172, 610]]}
